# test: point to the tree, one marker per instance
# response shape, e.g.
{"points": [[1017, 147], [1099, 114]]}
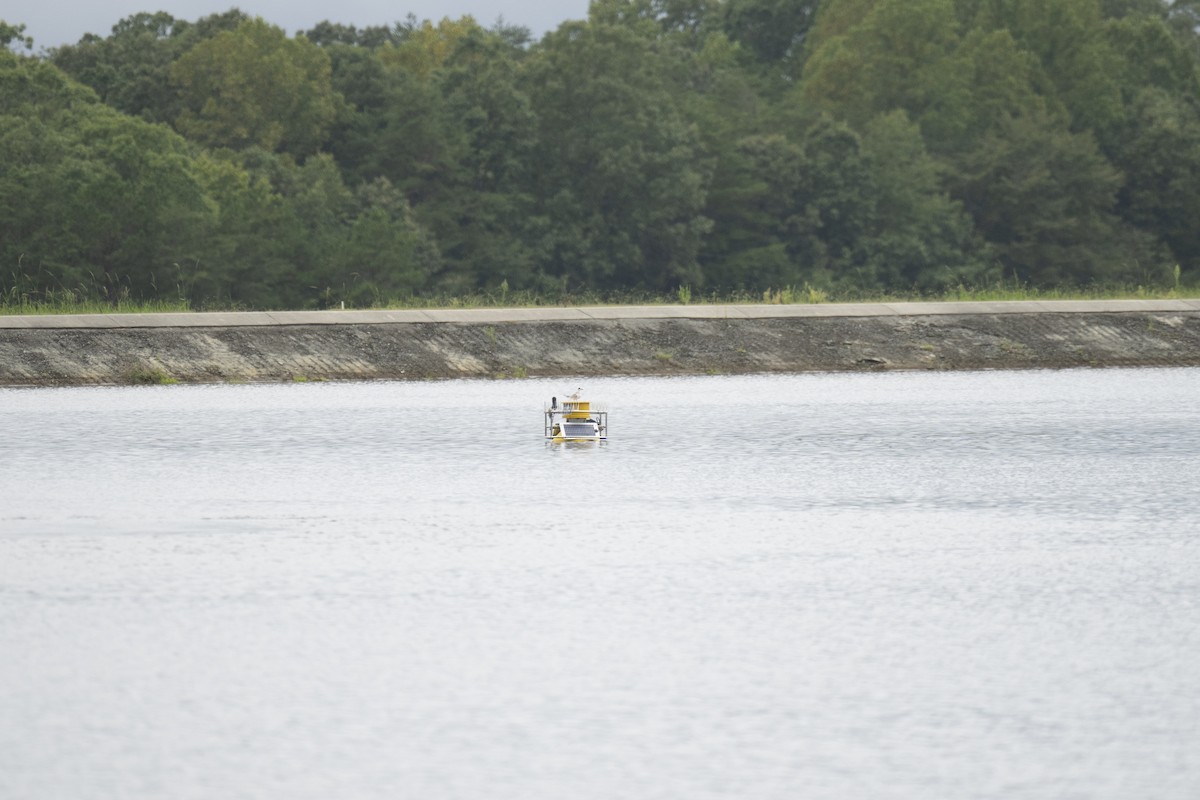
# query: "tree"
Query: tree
{"points": [[14, 35], [775, 32], [619, 177], [478, 206], [426, 47], [1068, 39], [130, 69], [896, 56], [1158, 146], [1149, 54], [293, 236], [1159, 151], [383, 251], [755, 206], [327, 34], [1044, 197], [921, 238], [89, 198], [1121, 9], [255, 87], [837, 209], [256, 253]]}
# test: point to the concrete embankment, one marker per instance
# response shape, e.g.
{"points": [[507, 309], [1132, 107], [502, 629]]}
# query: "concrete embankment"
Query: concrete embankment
{"points": [[650, 340]]}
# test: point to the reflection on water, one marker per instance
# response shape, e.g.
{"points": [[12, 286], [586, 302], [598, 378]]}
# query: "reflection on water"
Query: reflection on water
{"points": [[826, 586]]}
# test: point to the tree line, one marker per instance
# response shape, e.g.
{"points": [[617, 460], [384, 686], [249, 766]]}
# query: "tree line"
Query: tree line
{"points": [[718, 145]]}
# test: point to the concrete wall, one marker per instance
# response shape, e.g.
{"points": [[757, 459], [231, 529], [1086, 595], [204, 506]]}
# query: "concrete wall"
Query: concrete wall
{"points": [[653, 340]]}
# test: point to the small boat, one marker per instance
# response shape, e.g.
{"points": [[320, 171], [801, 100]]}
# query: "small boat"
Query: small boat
{"points": [[574, 420]]}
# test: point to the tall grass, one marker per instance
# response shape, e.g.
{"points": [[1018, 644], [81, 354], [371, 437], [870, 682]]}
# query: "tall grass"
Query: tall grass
{"points": [[77, 303], [14, 301], [788, 295], [999, 292], [92, 306]]}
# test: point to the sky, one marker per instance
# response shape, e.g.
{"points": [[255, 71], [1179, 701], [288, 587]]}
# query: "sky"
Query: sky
{"points": [[55, 22]]}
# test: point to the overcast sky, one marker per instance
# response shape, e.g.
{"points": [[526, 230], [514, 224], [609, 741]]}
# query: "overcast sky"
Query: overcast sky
{"points": [[55, 22]]}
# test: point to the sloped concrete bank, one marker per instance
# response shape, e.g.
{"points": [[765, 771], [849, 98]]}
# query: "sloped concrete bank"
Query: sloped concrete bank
{"points": [[421, 345]]}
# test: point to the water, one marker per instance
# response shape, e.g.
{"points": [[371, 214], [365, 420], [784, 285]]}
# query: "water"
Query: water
{"points": [[977, 585]]}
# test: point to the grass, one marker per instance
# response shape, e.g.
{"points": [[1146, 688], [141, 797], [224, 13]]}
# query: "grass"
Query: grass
{"points": [[143, 375], [684, 295], [994, 293], [72, 303], [805, 294], [17, 301], [27, 305]]}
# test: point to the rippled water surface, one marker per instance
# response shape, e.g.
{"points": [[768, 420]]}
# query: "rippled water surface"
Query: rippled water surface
{"points": [[978, 585]]}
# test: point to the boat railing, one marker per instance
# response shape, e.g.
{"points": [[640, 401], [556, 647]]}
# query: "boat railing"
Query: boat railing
{"points": [[556, 415]]}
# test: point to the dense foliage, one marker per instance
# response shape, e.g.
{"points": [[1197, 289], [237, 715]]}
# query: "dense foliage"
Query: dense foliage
{"points": [[716, 145]]}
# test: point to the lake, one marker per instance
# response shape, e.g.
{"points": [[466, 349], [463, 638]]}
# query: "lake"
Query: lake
{"points": [[950, 585]]}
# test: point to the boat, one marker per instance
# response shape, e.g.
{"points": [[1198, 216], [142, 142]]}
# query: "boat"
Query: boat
{"points": [[574, 420]]}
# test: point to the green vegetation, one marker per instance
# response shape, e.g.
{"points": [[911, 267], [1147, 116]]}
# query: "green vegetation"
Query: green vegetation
{"points": [[791, 295], [51, 303], [75, 304], [144, 375], [660, 151]]}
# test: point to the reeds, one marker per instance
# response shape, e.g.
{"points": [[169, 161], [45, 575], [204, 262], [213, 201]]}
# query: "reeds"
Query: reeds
{"points": [[13, 303], [68, 302]]}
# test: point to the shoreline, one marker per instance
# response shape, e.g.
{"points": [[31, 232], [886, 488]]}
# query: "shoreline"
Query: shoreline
{"points": [[80, 350]]}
